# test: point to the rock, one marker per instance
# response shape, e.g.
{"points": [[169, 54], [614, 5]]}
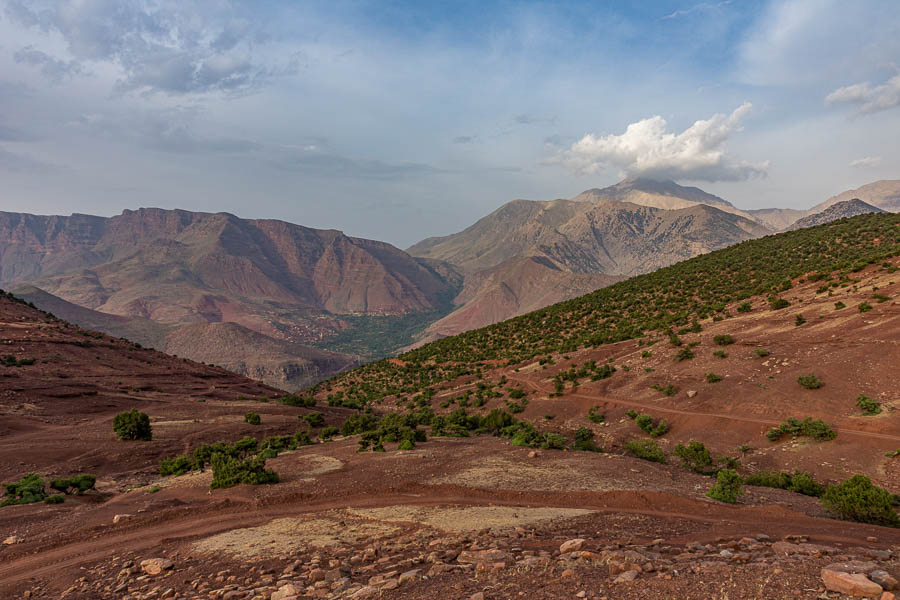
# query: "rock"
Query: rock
{"points": [[626, 577], [785, 548], [121, 517], [286, 591], [477, 596], [852, 584], [13, 539], [571, 546], [853, 566], [888, 596], [691, 393], [365, 592], [473, 557], [567, 574], [872, 539], [408, 576], [884, 579], [534, 454], [155, 566]]}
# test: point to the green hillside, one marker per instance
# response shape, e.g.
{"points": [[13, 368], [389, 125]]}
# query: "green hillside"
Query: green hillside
{"points": [[710, 286]]}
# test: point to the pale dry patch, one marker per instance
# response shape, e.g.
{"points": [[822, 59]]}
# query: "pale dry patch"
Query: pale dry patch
{"points": [[505, 474], [472, 518], [287, 536]]}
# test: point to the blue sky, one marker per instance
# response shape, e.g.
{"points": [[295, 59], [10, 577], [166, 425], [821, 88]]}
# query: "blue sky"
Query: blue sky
{"points": [[399, 121]]}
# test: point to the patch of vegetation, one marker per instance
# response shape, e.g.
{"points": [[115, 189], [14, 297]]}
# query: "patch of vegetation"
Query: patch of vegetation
{"points": [[868, 406], [668, 389], [646, 450], [762, 352], [857, 499], [816, 429], [776, 303], [27, 490], [229, 471], [133, 425], [595, 416], [584, 441], [744, 307], [839, 305], [713, 378], [696, 457], [297, 400], [648, 426], [893, 454], [684, 354], [55, 499], [329, 432], [864, 307], [315, 419], [810, 381], [720, 354], [175, 465], [799, 320], [252, 418], [723, 340], [727, 487], [800, 482], [77, 484], [10, 361]]}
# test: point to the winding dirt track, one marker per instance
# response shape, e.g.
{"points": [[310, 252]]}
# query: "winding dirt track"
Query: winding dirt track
{"points": [[186, 525]]}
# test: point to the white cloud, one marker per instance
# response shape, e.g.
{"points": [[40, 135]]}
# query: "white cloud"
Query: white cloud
{"points": [[647, 149], [869, 98], [866, 162]]}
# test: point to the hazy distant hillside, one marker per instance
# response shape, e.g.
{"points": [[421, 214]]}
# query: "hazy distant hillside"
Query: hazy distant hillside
{"points": [[840, 210], [884, 194], [175, 268]]}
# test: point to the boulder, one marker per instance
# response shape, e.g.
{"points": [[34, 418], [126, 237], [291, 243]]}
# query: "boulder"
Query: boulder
{"points": [[626, 577], [571, 546], [852, 584], [13, 539], [155, 566], [884, 579]]}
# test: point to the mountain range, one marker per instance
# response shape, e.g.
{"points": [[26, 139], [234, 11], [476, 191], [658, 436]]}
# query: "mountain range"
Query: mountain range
{"points": [[291, 305]]}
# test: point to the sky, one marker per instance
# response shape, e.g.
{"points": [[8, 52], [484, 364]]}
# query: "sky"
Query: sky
{"points": [[403, 120]]}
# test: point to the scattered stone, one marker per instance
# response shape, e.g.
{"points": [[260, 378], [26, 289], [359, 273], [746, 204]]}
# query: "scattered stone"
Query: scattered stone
{"points": [[571, 546], [155, 566], [691, 393], [884, 579], [121, 517], [626, 577], [13, 539], [286, 591], [852, 584]]}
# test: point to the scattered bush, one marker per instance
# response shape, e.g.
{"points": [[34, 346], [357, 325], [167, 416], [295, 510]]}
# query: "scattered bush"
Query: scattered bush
{"points": [[27, 490], [839, 305], [799, 320], [744, 307], [595, 416], [776, 303], [727, 487], [516, 393], [645, 422], [816, 429], [406, 444], [175, 465], [696, 457], [295, 400], [869, 407], [133, 425], [720, 354], [229, 471], [712, 378], [252, 418], [668, 389], [769, 478], [810, 381], [803, 483], [78, 484], [723, 340], [684, 354], [893, 454], [315, 419], [328, 432], [55, 499], [762, 352], [646, 450], [10, 361], [584, 441], [864, 307], [800, 482], [857, 499]]}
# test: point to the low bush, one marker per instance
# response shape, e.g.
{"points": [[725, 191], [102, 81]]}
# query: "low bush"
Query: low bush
{"points": [[720, 354], [869, 407], [810, 381], [723, 340], [132, 425], [776, 303], [328, 432], [647, 425], [695, 457], [857, 499], [712, 378], [668, 389], [744, 307], [176, 465], [77, 484], [800, 482], [315, 419], [406, 444], [727, 487], [595, 416], [864, 307], [816, 429], [799, 320], [229, 471], [295, 400], [27, 490], [762, 352], [893, 454], [646, 450], [516, 393], [684, 354], [839, 305], [55, 499], [252, 418], [584, 441]]}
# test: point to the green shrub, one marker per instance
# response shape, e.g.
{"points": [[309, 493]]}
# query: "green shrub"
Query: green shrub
{"points": [[603, 372], [55, 499], [727, 487], [744, 307], [595, 416], [769, 478], [810, 381], [857, 499], [516, 393], [132, 425], [723, 340], [668, 389], [864, 307], [176, 465], [229, 471], [799, 320], [893, 454], [839, 305], [295, 400], [554, 441], [869, 407], [27, 490], [78, 484], [776, 303], [684, 354], [645, 422], [762, 352], [406, 444], [720, 354], [646, 450], [803, 483], [252, 418], [584, 441], [816, 429], [712, 378], [315, 419], [328, 432], [695, 457]]}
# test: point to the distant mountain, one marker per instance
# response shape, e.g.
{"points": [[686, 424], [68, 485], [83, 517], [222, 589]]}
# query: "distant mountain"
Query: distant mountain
{"points": [[597, 236], [176, 268], [777, 219], [883, 194], [840, 210]]}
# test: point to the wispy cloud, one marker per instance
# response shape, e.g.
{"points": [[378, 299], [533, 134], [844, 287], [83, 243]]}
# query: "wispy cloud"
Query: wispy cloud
{"points": [[866, 162], [703, 6], [53, 69], [868, 98], [647, 149]]}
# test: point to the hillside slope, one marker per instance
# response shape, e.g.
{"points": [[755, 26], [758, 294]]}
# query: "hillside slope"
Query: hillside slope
{"points": [[884, 194], [840, 210]]}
